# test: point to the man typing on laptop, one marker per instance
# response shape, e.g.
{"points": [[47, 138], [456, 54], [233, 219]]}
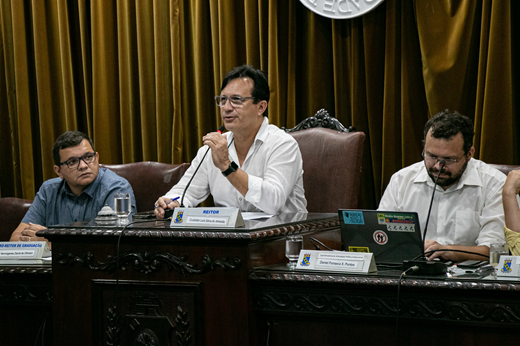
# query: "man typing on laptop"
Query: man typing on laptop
{"points": [[466, 213]]}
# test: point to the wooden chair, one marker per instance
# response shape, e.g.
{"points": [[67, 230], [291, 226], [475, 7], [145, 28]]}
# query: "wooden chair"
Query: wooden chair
{"points": [[149, 180], [12, 211], [332, 162]]}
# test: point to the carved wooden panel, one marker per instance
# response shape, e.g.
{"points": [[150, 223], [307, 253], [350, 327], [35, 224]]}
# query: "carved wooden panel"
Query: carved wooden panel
{"points": [[486, 303], [146, 313]]}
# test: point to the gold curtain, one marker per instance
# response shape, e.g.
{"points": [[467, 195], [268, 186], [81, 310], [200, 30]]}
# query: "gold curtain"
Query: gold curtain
{"points": [[139, 76]]}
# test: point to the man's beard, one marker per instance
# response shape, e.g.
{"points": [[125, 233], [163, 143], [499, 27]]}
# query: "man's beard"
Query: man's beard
{"points": [[451, 179]]}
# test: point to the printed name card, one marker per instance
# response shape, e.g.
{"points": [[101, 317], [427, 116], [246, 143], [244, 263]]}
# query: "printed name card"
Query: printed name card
{"points": [[20, 252], [207, 218], [336, 261], [509, 266]]}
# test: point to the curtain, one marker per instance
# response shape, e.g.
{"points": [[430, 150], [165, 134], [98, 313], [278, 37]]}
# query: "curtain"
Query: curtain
{"points": [[139, 76]]}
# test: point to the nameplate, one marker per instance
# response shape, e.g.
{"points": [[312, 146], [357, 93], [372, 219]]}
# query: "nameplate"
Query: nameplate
{"points": [[207, 218], [336, 261], [20, 251], [509, 266]]}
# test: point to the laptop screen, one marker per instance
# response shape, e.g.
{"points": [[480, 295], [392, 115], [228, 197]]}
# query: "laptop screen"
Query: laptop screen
{"points": [[391, 236]]}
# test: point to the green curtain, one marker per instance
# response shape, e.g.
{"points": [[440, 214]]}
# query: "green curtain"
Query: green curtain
{"points": [[139, 76]]}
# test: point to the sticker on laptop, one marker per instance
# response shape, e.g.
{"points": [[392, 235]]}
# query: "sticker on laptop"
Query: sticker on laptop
{"points": [[380, 237], [358, 249], [397, 222], [353, 218]]}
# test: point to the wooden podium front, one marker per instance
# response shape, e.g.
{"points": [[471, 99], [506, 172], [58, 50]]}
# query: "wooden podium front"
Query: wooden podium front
{"points": [[165, 286]]}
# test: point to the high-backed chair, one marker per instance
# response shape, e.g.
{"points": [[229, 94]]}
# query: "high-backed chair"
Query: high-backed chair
{"points": [[504, 168], [332, 162], [149, 180], [12, 211]]}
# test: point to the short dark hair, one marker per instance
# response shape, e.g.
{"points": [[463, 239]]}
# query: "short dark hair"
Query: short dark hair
{"points": [[261, 87], [447, 124], [66, 140]]}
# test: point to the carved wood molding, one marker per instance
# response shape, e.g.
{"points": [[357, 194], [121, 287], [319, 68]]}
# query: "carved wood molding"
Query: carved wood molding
{"points": [[136, 232], [350, 305], [320, 119], [27, 293], [386, 281], [114, 330], [36, 271], [148, 262]]}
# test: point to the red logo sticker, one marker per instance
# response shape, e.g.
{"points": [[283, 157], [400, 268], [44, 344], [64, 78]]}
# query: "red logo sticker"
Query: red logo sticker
{"points": [[380, 237]]}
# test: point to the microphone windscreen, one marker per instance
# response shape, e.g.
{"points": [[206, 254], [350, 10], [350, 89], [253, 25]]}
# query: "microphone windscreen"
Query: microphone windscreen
{"points": [[442, 163], [221, 129]]}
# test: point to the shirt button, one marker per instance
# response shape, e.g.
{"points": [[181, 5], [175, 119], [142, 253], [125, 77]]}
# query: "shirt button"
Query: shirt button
{"points": [[240, 199]]}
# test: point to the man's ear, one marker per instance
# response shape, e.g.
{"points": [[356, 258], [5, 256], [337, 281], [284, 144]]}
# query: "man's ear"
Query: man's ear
{"points": [[471, 153], [262, 106], [57, 170]]}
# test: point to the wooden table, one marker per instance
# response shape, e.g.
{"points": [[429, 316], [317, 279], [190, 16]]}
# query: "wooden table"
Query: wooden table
{"points": [[313, 308], [185, 287], [25, 305]]}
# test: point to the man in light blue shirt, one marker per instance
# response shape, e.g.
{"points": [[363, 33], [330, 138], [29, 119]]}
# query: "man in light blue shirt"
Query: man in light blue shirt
{"points": [[79, 193]]}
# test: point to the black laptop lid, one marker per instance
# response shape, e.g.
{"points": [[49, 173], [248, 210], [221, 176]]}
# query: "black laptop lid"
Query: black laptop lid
{"points": [[391, 236]]}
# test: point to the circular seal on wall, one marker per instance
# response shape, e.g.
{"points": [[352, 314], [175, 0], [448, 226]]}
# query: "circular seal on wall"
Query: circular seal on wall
{"points": [[341, 9], [380, 237]]}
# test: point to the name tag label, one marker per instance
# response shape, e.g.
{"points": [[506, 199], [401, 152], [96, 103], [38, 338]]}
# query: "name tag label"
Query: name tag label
{"points": [[336, 261], [20, 250], [508, 266], [207, 217]]}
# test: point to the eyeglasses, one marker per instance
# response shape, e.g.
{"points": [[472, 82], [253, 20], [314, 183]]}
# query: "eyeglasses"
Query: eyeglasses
{"points": [[236, 101], [73, 162], [432, 159]]}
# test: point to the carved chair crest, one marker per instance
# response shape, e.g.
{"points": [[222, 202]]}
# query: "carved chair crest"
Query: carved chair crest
{"points": [[320, 119]]}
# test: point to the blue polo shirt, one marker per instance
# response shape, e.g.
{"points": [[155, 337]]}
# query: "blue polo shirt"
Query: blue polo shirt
{"points": [[55, 204]]}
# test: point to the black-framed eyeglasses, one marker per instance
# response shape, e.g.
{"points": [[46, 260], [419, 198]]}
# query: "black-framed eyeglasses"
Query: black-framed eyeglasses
{"points": [[236, 101], [73, 162], [432, 159]]}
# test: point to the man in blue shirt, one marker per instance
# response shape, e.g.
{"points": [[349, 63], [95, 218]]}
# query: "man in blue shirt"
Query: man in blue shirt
{"points": [[79, 193]]}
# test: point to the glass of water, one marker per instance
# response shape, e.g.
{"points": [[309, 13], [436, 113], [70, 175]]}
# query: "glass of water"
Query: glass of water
{"points": [[495, 251], [122, 207], [293, 245]]}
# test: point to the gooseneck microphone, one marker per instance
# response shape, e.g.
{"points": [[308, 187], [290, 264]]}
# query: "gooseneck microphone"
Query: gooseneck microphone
{"points": [[442, 164], [220, 129]]}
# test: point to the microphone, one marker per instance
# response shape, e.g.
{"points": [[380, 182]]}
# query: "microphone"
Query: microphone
{"points": [[442, 164], [220, 129]]}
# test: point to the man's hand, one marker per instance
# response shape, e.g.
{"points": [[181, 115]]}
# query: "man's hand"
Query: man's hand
{"points": [[29, 233], [455, 256], [430, 245], [219, 150], [512, 184], [164, 203]]}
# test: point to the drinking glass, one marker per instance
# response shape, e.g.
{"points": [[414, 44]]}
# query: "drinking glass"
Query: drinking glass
{"points": [[293, 245], [122, 207], [495, 251]]}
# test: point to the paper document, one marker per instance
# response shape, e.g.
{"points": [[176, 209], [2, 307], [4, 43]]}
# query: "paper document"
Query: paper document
{"points": [[255, 215]]}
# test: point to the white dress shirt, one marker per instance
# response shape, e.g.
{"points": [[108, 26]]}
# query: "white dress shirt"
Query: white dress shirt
{"points": [[468, 213], [275, 182]]}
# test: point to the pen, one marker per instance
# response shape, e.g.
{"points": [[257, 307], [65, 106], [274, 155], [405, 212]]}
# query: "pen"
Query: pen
{"points": [[173, 200]]}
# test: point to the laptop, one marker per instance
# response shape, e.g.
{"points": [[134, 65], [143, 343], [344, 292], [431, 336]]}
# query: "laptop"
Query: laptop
{"points": [[392, 236]]}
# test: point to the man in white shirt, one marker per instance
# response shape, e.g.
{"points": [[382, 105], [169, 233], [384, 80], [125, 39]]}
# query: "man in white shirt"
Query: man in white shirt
{"points": [[255, 166], [467, 213]]}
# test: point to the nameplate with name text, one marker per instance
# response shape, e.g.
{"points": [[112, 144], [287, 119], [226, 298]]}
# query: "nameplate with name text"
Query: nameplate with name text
{"points": [[336, 261], [207, 217], [20, 252]]}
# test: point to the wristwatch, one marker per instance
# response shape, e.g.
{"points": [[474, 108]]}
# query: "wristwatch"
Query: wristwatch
{"points": [[232, 168]]}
